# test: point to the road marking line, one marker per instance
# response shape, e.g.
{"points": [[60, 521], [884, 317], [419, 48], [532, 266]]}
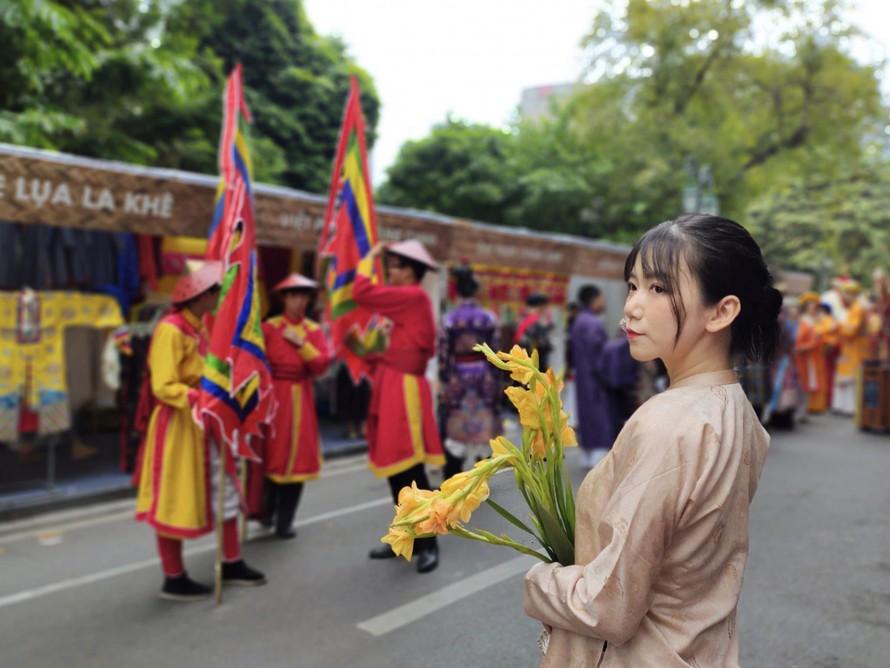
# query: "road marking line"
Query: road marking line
{"points": [[425, 605], [44, 526], [71, 583], [77, 524]]}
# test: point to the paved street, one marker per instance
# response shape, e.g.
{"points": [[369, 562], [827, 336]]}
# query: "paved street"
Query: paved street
{"points": [[79, 589]]}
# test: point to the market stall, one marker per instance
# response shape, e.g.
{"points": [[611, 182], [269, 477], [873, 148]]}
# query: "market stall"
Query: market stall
{"points": [[116, 236]]}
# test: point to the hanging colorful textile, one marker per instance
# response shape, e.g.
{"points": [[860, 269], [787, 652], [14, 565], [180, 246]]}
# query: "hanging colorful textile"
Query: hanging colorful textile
{"points": [[32, 353]]}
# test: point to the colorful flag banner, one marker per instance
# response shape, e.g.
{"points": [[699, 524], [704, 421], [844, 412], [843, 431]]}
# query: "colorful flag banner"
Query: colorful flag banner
{"points": [[236, 395], [350, 231]]}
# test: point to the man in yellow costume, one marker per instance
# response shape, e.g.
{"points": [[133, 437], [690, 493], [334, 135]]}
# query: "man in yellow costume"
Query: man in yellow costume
{"points": [[176, 475], [854, 349]]}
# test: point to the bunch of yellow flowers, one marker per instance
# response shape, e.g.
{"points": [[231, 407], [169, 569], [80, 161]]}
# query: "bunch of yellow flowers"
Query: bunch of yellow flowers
{"points": [[537, 468]]}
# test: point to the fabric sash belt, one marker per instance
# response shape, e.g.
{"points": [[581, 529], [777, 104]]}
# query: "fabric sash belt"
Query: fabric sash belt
{"points": [[469, 358], [290, 374], [412, 362]]}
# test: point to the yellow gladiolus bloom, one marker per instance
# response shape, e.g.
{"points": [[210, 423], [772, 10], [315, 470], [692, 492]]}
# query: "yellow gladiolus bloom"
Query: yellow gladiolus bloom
{"points": [[521, 366], [437, 522], [537, 466], [410, 498], [457, 483], [498, 447], [567, 434], [401, 540], [525, 403]]}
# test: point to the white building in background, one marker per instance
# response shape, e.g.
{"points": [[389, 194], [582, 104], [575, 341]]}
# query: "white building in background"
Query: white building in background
{"points": [[539, 101]]}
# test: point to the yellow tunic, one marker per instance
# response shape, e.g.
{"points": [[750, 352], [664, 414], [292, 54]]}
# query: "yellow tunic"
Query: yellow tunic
{"points": [[174, 486], [32, 352], [854, 342]]}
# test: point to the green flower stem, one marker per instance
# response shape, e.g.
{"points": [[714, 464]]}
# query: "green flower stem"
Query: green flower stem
{"points": [[506, 541]]}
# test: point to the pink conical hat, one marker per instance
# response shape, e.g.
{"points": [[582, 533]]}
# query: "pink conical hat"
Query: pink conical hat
{"points": [[414, 250], [198, 282], [296, 282]]}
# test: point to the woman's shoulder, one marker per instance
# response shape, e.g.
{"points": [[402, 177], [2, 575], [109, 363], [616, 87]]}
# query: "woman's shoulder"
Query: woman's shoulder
{"points": [[687, 410]]}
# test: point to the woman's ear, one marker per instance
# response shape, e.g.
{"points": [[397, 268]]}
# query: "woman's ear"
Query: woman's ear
{"points": [[724, 313]]}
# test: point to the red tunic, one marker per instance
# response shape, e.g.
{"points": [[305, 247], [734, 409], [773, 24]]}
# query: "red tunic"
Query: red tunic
{"points": [[292, 448], [402, 429]]}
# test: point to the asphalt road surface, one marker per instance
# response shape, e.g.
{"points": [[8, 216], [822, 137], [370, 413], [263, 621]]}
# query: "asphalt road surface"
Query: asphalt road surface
{"points": [[79, 588]]}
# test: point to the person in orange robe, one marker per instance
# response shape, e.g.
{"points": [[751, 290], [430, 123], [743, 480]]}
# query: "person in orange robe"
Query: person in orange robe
{"points": [[175, 475], [808, 354], [401, 430], [854, 349], [298, 353], [825, 329]]}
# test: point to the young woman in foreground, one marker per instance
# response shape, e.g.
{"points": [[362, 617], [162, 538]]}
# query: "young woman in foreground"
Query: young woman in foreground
{"points": [[661, 535]]}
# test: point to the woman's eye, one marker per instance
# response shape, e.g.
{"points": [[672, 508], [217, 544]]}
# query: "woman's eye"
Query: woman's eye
{"points": [[657, 289]]}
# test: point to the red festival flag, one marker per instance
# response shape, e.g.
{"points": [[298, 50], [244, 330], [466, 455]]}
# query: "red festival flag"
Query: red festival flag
{"points": [[350, 231], [236, 388]]}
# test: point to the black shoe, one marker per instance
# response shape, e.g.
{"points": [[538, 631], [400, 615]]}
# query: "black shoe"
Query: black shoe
{"points": [[382, 552], [183, 588], [428, 559], [239, 573], [286, 533]]}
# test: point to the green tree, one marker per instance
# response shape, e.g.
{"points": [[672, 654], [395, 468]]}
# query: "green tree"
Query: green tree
{"points": [[815, 224], [142, 81], [764, 93], [461, 169], [533, 177], [296, 81], [43, 42]]}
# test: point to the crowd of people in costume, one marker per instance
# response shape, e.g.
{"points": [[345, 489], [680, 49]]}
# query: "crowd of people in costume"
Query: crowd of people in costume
{"points": [[662, 522], [825, 341]]}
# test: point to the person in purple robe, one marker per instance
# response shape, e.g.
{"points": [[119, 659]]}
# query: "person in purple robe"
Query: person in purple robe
{"points": [[622, 373], [471, 387], [588, 340]]}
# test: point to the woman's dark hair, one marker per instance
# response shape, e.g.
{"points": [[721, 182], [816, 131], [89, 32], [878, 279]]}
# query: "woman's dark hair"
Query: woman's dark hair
{"points": [[587, 293], [277, 307], [465, 281], [724, 260], [418, 268]]}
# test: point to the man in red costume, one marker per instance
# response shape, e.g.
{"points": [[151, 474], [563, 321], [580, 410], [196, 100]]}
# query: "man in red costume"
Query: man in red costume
{"points": [[175, 475], [298, 353], [402, 432]]}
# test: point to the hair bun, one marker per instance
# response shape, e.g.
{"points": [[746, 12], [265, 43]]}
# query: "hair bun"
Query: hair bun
{"points": [[772, 303], [465, 280]]}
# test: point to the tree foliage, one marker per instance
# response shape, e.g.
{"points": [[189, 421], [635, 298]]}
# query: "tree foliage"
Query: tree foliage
{"points": [[142, 80], [824, 226], [764, 93]]}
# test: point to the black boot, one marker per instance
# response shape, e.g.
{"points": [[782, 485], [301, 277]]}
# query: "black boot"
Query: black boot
{"points": [[427, 554], [288, 500], [183, 588], [270, 502], [382, 552], [239, 573]]}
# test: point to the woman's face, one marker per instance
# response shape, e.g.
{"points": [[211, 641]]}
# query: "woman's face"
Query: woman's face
{"points": [[651, 322], [295, 303]]}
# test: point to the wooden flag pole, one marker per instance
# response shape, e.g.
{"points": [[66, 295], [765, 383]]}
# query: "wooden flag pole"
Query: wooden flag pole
{"points": [[242, 522], [220, 519]]}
